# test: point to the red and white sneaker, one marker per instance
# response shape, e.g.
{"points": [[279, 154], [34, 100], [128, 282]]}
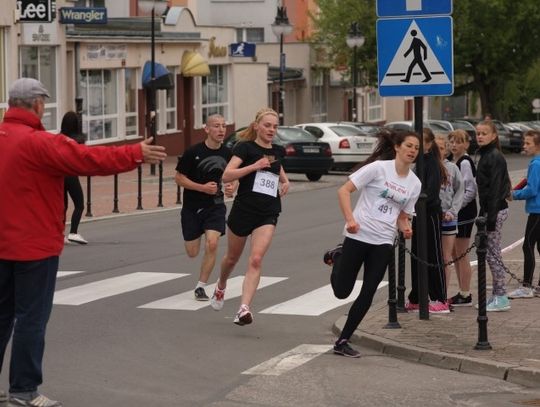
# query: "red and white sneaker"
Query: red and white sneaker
{"points": [[412, 307], [243, 316], [218, 299], [437, 307]]}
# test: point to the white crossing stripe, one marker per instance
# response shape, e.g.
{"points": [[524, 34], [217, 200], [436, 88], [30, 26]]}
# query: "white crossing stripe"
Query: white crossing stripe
{"points": [[315, 302], [288, 360], [61, 274], [112, 286], [186, 300]]}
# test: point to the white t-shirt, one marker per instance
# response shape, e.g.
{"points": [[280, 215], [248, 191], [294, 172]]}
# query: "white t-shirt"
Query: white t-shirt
{"points": [[383, 195]]}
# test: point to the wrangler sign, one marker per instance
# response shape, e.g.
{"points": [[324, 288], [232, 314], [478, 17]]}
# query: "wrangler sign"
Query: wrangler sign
{"points": [[80, 15]]}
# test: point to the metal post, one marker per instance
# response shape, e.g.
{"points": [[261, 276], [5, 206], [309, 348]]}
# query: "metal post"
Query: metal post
{"points": [[421, 216], [355, 102], [89, 197], [139, 187], [401, 275], [115, 198], [160, 189], [481, 250], [281, 73], [152, 92], [392, 312]]}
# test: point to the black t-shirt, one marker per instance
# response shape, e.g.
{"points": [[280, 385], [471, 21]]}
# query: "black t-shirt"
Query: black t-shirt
{"points": [[201, 165], [247, 199]]}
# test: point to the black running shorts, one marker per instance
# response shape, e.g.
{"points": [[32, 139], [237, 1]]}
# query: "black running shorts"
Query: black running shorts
{"points": [[196, 221], [243, 224]]}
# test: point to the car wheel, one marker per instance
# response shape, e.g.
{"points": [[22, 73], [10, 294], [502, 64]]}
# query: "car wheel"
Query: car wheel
{"points": [[313, 177]]}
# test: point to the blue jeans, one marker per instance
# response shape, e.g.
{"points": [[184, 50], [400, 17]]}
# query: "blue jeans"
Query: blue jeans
{"points": [[26, 296]]}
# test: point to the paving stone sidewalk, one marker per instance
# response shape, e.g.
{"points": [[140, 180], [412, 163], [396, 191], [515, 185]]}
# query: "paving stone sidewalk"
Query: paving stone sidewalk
{"points": [[448, 340]]}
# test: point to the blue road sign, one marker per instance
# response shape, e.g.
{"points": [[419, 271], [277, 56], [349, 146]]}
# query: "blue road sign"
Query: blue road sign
{"points": [[402, 8], [242, 49], [415, 56]]}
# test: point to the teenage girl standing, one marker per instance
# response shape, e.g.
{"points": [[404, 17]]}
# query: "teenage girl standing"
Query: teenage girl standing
{"points": [[493, 190], [531, 194], [388, 192], [459, 144]]}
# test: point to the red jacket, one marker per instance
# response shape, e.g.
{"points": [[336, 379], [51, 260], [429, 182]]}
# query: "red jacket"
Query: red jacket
{"points": [[33, 164]]}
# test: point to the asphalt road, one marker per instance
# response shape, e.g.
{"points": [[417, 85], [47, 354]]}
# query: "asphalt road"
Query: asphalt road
{"points": [[119, 347]]}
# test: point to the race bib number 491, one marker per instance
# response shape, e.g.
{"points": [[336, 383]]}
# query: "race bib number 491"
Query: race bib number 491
{"points": [[266, 183]]}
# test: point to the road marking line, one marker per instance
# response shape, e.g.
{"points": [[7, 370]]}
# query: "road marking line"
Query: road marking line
{"points": [[186, 301], [315, 302], [61, 274], [288, 360], [97, 290]]}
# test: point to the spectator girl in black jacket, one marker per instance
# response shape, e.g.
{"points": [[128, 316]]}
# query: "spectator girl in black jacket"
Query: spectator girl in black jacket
{"points": [[493, 189], [434, 176]]}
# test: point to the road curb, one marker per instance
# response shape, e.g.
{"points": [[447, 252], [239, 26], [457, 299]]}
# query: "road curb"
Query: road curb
{"points": [[524, 376]]}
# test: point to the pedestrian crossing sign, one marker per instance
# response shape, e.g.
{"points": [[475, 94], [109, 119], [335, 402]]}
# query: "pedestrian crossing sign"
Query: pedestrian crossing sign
{"points": [[415, 56]]}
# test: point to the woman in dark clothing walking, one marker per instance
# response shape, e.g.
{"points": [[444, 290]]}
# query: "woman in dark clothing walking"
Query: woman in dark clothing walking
{"points": [[72, 185]]}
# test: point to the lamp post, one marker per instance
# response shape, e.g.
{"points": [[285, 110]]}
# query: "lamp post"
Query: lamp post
{"points": [[152, 6], [355, 40], [280, 28]]}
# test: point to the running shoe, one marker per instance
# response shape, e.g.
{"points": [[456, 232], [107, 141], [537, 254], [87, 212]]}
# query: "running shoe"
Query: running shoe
{"points": [[243, 316], [3, 396], [521, 292], [218, 299], [329, 255], [33, 399], [459, 300], [200, 294], [412, 307], [344, 349], [499, 303], [76, 238], [438, 307], [536, 291]]}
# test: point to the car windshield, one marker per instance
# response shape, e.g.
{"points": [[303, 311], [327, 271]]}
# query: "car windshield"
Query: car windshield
{"points": [[462, 125], [346, 131], [436, 126], [295, 134]]}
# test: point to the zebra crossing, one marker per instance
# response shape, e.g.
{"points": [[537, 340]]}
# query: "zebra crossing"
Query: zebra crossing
{"points": [[312, 303]]}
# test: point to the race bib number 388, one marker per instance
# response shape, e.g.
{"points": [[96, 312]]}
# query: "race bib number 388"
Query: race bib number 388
{"points": [[266, 183]]}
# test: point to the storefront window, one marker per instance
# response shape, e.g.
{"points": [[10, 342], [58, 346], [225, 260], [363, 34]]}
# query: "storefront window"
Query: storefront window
{"points": [[40, 63], [167, 105], [215, 98], [374, 106], [318, 97], [130, 88], [99, 90], [3, 73]]}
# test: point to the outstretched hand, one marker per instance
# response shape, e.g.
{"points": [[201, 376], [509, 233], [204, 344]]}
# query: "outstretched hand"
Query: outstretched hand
{"points": [[151, 153]]}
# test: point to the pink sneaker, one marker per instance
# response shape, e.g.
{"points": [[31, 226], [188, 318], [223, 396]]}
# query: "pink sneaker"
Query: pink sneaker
{"points": [[437, 307], [412, 307]]}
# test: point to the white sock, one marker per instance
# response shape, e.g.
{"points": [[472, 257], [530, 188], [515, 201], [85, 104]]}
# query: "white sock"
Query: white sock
{"points": [[465, 293], [200, 284]]}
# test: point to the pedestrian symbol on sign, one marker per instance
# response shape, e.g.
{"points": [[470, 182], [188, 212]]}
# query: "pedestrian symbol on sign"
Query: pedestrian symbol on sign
{"points": [[415, 63]]}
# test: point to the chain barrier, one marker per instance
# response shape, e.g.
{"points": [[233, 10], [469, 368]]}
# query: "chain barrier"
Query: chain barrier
{"points": [[418, 259], [512, 275]]}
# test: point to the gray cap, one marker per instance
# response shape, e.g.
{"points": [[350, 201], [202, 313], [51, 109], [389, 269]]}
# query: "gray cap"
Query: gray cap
{"points": [[27, 88]]}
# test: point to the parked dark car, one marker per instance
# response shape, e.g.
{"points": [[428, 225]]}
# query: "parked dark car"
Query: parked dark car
{"points": [[303, 153], [368, 128]]}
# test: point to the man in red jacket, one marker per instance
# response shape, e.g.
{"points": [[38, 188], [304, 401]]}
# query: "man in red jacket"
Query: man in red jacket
{"points": [[33, 164]]}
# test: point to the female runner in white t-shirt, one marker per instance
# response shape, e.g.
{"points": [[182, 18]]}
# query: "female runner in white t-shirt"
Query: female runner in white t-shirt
{"points": [[388, 192]]}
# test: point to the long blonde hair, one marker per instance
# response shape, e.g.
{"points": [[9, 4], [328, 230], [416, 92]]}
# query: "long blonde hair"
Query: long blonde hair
{"points": [[249, 134]]}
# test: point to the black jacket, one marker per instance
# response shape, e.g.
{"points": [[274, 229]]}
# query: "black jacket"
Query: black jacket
{"points": [[432, 182], [493, 183]]}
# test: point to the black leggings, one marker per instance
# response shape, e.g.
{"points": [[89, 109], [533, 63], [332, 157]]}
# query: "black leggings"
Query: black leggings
{"points": [[344, 273], [72, 186], [532, 239], [436, 276]]}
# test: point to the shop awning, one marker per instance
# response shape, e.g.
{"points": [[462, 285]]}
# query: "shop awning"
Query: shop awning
{"points": [[193, 64]]}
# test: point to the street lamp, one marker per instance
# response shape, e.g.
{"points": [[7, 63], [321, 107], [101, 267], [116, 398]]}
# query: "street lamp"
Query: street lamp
{"points": [[280, 28], [153, 7], [355, 40]]}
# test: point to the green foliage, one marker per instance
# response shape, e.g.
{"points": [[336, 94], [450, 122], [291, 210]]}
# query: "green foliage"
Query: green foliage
{"points": [[496, 47]]}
